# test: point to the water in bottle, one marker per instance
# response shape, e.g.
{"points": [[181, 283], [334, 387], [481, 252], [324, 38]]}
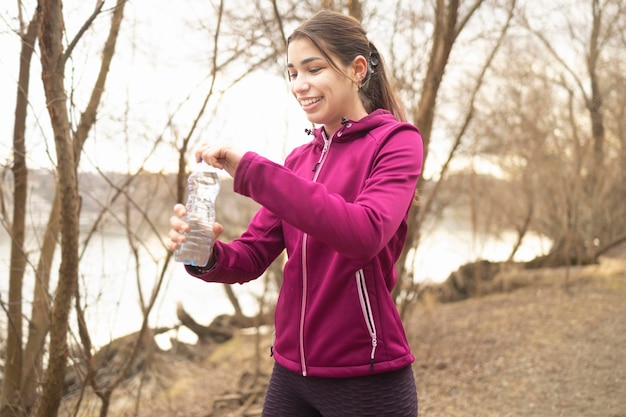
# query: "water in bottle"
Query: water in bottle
{"points": [[203, 186]]}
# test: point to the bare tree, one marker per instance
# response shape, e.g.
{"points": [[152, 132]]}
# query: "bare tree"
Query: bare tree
{"points": [[24, 378], [448, 24], [10, 400], [540, 134], [53, 74], [586, 228]]}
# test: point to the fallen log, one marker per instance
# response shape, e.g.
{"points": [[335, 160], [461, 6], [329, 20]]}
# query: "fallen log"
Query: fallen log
{"points": [[223, 327]]}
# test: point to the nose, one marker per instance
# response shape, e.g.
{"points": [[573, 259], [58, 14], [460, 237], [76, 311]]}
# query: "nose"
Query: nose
{"points": [[299, 85]]}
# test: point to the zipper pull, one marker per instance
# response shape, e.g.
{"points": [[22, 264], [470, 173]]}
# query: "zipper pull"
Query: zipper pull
{"points": [[324, 150], [374, 344]]}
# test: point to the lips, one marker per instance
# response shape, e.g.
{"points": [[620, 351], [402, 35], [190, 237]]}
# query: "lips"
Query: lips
{"points": [[305, 102]]}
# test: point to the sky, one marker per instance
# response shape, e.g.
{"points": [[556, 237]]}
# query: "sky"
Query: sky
{"points": [[161, 67], [155, 73]]}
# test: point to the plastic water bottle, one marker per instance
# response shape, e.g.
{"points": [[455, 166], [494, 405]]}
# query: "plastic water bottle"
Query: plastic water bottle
{"points": [[203, 187]]}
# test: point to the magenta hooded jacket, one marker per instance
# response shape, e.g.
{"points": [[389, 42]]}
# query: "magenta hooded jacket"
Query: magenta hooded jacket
{"points": [[339, 208]]}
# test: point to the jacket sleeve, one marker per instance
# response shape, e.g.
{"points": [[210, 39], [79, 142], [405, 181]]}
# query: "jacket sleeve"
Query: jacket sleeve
{"points": [[359, 229], [247, 257]]}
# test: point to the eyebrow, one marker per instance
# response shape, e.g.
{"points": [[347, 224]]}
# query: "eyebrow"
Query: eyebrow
{"points": [[305, 61]]}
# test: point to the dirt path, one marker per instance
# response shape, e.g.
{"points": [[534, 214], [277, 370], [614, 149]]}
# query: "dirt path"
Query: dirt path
{"points": [[539, 351], [543, 350]]}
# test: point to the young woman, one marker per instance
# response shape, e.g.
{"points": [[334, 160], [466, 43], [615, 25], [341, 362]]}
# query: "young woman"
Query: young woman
{"points": [[339, 207]]}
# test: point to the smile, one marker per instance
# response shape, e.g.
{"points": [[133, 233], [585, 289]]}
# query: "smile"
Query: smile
{"points": [[309, 101]]}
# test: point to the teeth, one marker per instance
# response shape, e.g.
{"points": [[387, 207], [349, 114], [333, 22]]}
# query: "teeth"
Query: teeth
{"points": [[309, 101]]}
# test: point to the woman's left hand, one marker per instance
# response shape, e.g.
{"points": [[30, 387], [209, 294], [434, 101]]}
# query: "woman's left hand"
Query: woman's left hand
{"points": [[221, 157]]}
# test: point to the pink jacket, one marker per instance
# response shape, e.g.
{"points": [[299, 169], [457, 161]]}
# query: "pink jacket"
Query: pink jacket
{"points": [[339, 207]]}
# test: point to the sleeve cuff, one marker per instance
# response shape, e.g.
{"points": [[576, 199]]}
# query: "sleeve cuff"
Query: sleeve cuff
{"points": [[202, 270]]}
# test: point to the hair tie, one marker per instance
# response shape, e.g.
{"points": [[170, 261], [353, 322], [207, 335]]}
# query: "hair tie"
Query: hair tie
{"points": [[373, 63]]}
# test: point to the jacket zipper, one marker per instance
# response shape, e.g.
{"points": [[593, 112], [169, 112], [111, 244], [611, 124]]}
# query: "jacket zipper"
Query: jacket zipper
{"points": [[322, 155], [366, 308], [316, 170]]}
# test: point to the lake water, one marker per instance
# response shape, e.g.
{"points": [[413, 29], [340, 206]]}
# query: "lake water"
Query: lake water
{"points": [[111, 288]]}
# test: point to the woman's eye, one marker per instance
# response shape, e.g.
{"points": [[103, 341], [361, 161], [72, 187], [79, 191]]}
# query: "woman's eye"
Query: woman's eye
{"points": [[293, 75]]}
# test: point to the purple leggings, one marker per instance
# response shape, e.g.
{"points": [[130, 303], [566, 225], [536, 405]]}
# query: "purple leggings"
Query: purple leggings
{"points": [[388, 394]]}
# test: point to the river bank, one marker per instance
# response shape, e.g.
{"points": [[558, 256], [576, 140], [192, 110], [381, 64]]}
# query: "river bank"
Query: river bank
{"points": [[555, 347]]}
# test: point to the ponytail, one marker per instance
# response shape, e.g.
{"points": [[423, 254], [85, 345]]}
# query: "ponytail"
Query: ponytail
{"points": [[376, 91]]}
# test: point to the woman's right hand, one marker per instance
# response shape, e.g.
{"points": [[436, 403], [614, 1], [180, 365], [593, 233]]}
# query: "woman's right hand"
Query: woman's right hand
{"points": [[178, 229]]}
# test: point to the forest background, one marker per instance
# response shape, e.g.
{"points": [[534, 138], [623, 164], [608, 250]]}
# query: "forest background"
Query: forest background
{"points": [[522, 110]]}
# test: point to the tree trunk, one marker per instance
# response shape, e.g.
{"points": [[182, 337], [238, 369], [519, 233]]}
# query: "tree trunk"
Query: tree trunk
{"points": [[596, 116], [355, 9], [448, 25], [443, 38], [51, 27], [40, 317], [10, 399]]}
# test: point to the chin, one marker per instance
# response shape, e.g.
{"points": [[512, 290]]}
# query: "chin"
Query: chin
{"points": [[315, 120]]}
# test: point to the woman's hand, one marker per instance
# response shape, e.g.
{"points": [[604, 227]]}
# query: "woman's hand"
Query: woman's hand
{"points": [[221, 157], [176, 234]]}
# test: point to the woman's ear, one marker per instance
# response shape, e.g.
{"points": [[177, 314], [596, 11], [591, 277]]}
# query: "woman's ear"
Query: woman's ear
{"points": [[359, 68]]}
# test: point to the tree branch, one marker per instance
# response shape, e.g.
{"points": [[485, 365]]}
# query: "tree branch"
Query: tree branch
{"points": [[80, 33]]}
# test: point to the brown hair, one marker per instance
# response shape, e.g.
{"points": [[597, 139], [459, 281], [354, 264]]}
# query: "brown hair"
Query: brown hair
{"points": [[344, 37]]}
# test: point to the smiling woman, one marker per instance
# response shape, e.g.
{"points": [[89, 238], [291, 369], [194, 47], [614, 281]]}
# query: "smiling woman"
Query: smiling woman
{"points": [[339, 208], [324, 90]]}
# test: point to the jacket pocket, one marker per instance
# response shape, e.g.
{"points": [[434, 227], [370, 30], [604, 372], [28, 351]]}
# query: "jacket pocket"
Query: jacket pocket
{"points": [[366, 309]]}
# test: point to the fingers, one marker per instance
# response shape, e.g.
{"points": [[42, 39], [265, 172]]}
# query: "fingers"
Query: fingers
{"points": [[218, 229], [220, 157], [215, 156], [178, 228], [176, 235], [210, 154], [180, 210], [198, 153]]}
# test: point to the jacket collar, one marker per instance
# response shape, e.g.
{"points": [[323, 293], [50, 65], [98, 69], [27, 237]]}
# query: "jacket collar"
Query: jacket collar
{"points": [[351, 129]]}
